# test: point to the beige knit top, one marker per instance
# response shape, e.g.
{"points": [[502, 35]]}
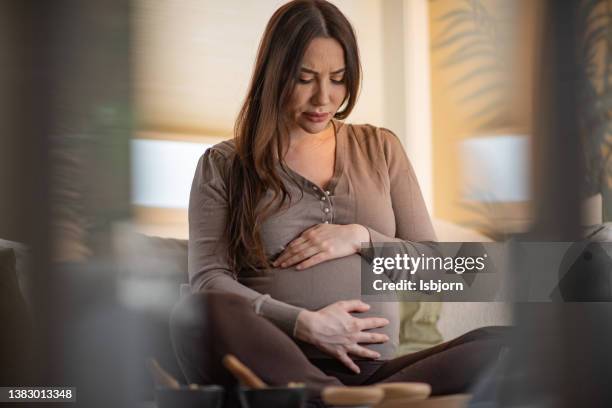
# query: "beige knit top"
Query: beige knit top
{"points": [[373, 185]]}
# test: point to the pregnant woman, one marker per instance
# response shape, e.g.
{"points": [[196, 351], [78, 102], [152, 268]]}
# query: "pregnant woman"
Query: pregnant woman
{"points": [[281, 217]]}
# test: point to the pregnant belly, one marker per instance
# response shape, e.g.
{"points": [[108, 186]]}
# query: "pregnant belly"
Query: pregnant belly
{"points": [[324, 284]]}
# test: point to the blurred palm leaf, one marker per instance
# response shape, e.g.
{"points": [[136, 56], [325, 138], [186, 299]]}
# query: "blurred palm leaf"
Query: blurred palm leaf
{"points": [[595, 61], [479, 42], [477, 45], [490, 214]]}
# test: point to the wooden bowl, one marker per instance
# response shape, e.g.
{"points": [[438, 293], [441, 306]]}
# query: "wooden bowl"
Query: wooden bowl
{"points": [[209, 396], [273, 397]]}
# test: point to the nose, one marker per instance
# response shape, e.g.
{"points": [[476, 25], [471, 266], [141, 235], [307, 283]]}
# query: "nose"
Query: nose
{"points": [[321, 96]]}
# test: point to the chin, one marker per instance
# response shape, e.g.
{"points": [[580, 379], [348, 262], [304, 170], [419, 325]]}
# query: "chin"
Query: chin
{"points": [[314, 128]]}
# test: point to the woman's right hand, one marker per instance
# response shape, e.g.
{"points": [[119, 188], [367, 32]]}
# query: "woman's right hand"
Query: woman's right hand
{"points": [[336, 332]]}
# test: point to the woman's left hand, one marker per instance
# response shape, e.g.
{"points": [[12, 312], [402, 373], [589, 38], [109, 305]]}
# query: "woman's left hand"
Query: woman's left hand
{"points": [[322, 243]]}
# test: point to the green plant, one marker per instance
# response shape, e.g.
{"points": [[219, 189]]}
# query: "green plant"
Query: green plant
{"points": [[478, 36]]}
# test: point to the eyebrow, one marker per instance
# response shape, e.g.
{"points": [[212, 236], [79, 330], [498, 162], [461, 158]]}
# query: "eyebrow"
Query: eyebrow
{"points": [[310, 71]]}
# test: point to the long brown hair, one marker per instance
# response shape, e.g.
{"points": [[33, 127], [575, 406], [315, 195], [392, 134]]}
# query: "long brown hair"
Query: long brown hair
{"points": [[260, 133]]}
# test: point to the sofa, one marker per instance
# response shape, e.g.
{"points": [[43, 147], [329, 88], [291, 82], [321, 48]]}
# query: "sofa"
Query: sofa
{"points": [[16, 338], [157, 264], [152, 269]]}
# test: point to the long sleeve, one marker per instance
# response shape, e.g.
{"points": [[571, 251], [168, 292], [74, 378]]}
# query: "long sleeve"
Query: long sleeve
{"points": [[208, 265], [413, 226]]}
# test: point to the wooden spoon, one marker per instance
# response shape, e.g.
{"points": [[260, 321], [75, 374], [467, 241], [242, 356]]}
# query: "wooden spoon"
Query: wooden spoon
{"points": [[243, 373], [161, 376]]}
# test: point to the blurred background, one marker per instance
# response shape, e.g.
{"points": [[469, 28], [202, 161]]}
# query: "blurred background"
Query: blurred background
{"points": [[502, 106], [446, 76]]}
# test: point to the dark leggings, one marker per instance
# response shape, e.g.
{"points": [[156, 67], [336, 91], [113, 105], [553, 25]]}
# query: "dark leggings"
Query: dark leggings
{"points": [[206, 326]]}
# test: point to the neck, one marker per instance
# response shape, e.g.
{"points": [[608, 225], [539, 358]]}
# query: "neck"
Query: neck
{"points": [[299, 137]]}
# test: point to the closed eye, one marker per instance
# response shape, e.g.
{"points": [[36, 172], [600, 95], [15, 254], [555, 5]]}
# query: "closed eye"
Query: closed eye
{"points": [[308, 81]]}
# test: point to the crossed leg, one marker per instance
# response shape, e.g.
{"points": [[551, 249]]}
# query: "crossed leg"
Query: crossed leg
{"points": [[451, 367], [206, 326]]}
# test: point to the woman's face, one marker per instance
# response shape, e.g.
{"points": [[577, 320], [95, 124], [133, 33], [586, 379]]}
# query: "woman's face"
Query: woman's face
{"points": [[320, 87]]}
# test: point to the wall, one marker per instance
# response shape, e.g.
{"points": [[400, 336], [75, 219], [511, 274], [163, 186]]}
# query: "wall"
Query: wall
{"points": [[192, 62], [452, 121]]}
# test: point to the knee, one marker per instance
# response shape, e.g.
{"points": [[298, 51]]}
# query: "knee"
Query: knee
{"points": [[202, 309], [194, 326], [498, 334]]}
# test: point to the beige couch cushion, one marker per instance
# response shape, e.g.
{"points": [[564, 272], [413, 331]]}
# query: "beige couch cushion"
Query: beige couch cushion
{"points": [[458, 318], [425, 324]]}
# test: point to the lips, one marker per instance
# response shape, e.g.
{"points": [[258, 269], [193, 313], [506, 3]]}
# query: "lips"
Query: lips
{"points": [[316, 117]]}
